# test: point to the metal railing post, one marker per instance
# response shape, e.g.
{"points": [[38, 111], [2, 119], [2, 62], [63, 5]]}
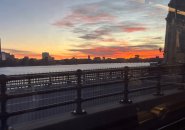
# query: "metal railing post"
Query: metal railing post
{"points": [[183, 77], [110, 75], [29, 83], [97, 77], [50, 81], [126, 99], [4, 119], [79, 110], [158, 88]]}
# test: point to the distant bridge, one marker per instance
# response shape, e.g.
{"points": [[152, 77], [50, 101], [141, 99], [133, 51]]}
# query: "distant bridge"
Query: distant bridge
{"points": [[97, 98]]}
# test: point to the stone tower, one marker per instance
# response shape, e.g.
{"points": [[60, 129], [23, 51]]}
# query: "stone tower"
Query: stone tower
{"points": [[0, 51], [174, 52]]}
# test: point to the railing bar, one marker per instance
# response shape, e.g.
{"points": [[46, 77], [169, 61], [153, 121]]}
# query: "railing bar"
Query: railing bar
{"points": [[59, 90], [166, 74], [46, 83], [141, 89], [102, 96], [173, 83], [103, 83], [40, 75], [102, 70], [39, 108], [39, 93], [143, 78]]}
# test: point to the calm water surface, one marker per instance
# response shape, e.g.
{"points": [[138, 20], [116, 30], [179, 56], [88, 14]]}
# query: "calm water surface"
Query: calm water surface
{"points": [[60, 68]]}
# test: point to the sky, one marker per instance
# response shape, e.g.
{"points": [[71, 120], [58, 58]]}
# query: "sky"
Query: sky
{"points": [[78, 28]]}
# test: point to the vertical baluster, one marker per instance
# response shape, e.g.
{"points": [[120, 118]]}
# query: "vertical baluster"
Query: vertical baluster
{"points": [[183, 77], [4, 119], [159, 73], [29, 82], [79, 109], [50, 80], [126, 99], [122, 74], [110, 75], [97, 78]]}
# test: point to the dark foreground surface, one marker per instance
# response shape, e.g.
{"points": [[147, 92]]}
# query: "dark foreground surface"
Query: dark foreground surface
{"points": [[167, 116], [160, 113]]}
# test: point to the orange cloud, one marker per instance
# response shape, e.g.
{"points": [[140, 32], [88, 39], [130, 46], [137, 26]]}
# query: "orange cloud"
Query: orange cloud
{"points": [[145, 51], [37, 56], [142, 53], [119, 54]]}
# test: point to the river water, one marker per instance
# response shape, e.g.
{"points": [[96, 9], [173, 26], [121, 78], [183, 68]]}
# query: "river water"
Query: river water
{"points": [[61, 68]]}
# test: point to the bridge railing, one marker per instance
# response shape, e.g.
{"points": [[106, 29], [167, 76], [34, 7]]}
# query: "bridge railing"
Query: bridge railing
{"points": [[80, 86]]}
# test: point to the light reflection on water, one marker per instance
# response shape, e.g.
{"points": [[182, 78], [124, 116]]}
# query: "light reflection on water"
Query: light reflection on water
{"points": [[60, 68]]}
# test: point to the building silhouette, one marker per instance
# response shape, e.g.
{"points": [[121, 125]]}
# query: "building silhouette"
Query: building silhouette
{"points": [[46, 56], [89, 57], [4, 55]]}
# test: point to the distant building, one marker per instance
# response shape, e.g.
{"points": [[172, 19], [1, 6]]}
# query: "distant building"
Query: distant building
{"points": [[97, 58], [26, 57], [89, 57], [137, 56], [7, 56], [46, 56]]}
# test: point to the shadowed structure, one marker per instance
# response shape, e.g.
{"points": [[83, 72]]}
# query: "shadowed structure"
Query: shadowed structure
{"points": [[0, 51], [175, 31]]}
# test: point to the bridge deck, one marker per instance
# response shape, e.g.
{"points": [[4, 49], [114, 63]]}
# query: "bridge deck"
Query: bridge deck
{"points": [[103, 114]]}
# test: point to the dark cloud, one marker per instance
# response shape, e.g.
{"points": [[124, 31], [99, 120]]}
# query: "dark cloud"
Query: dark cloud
{"points": [[145, 46], [107, 30], [15, 51], [95, 34], [102, 51], [90, 37], [149, 40], [157, 38], [86, 45]]}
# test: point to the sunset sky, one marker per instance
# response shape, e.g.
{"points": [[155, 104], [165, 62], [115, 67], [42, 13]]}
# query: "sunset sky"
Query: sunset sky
{"points": [[66, 28]]}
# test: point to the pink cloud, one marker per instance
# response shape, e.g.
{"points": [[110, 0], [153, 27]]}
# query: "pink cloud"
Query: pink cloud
{"points": [[112, 40], [63, 24], [133, 29], [85, 15]]}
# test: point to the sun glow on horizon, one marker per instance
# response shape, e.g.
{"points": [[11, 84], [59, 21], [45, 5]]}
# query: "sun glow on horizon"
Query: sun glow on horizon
{"points": [[143, 54]]}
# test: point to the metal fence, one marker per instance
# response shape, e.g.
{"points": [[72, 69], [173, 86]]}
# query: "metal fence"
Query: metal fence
{"points": [[79, 87]]}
